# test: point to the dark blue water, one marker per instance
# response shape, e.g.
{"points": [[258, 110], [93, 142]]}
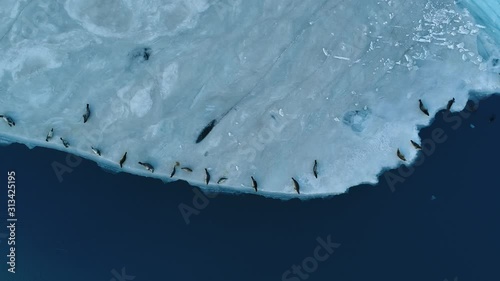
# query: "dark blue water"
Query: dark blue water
{"points": [[440, 221]]}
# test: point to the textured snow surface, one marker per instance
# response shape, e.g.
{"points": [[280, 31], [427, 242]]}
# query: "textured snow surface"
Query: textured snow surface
{"points": [[287, 82]]}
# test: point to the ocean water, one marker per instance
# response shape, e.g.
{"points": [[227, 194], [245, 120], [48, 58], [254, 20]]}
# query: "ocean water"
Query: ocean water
{"points": [[439, 221]]}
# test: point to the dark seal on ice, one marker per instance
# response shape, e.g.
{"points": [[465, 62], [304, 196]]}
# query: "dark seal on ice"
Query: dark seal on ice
{"points": [[422, 107], [8, 120], [174, 170], [50, 134], [187, 169], [296, 186], [204, 133], [148, 166], [416, 145], [221, 180], [450, 104], [96, 151], [254, 184], [400, 155], [64, 142], [207, 176], [87, 114], [141, 53], [124, 158]]}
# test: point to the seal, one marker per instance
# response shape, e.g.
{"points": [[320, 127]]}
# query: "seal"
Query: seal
{"points": [[221, 180], [148, 166], [416, 145], [422, 107], [8, 120], [174, 169], [450, 104], [207, 176], [206, 131], [96, 151], [64, 142], [50, 134], [187, 169], [87, 114], [400, 155], [124, 158], [315, 169], [254, 184], [296, 186]]}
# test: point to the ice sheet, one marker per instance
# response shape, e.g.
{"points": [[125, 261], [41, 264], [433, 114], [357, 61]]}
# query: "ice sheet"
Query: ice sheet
{"points": [[287, 83]]}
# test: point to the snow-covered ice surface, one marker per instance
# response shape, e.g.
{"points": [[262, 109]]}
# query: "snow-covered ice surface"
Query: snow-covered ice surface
{"points": [[286, 81]]}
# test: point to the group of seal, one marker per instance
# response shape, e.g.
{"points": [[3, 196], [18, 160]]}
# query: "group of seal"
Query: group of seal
{"points": [[189, 170], [426, 112], [65, 142], [296, 185], [254, 184], [50, 135], [185, 169], [150, 168]]}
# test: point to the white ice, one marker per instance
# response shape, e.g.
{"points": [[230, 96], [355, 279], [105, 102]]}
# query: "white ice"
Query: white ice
{"points": [[287, 81]]}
